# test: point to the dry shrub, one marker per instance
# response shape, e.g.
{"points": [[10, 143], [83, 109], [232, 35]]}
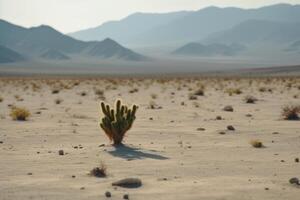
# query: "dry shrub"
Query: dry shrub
{"points": [[19, 114], [291, 112], [154, 96], [232, 91], [55, 91], [199, 92], [58, 101], [100, 171], [256, 143], [192, 97], [250, 99]]}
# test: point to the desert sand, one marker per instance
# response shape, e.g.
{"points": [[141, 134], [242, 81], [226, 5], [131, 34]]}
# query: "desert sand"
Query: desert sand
{"points": [[176, 146]]}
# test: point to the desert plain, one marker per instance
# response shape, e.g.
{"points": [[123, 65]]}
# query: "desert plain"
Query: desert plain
{"points": [[179, 146]]}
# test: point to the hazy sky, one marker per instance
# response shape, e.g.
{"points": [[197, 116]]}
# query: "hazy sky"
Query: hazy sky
{"points": [[72, 15]]}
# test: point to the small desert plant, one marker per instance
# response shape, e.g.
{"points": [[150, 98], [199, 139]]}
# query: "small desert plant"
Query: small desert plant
{"points": [[99, 171], [19, 114], [256, 143], [134, 90], [291, 112], [58, 101], [55, 91], [192, 97], [199, 92], [232, 91], [153, 96], [250, 99], [116, 122], [83, 93]]}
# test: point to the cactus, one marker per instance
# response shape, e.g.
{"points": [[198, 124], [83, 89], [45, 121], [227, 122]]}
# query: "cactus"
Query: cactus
{"points": [[116, 122]]}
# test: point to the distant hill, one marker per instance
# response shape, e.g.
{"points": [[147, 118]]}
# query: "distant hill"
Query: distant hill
{"points": [[54, 55], [294, 47], [46, 42], [129, 28], [183, 27], [197, 49], [258, 32], [7, 55]]}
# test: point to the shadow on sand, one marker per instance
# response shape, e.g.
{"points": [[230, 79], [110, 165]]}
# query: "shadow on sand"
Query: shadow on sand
{"points": [[133, 153]]}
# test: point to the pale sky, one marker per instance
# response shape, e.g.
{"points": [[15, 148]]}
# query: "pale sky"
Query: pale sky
{"points": [[72, 15]]}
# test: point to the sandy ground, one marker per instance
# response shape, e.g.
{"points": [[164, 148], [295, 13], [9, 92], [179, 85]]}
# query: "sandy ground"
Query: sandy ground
{"points": [[172, 158]]}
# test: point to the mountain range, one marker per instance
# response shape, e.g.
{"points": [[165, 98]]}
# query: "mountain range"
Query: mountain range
{"points": [[211, 31], [44, 42], [179, 28]]}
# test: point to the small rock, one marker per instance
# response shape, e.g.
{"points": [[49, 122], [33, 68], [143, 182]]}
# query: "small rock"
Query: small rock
{"points": [[275, 133], [151, 118], [228, 108], [61, 152], [101, 145], [230, 128], [29, 174], [82, 188], [128, 183], [1, 142], [222, 133], [200, 129], [73, 176], [266, 188], [218, 118], [297, 160], [126, 196], [107, 194]]}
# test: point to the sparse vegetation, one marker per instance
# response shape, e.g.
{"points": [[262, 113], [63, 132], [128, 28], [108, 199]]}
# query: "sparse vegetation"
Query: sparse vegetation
{"points": [[58, 101], [256, 143], [250, 99], [100, 171], [19, 114], [291, 112], [199, 92], [232, 91], [116, 122]]}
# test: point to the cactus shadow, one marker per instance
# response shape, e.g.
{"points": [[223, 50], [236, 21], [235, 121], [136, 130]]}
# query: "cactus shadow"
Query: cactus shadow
{"points": [[134, 153]]}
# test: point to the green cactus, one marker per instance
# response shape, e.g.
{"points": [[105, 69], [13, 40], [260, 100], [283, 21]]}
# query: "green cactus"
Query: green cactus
{"points": [[116, 122]]}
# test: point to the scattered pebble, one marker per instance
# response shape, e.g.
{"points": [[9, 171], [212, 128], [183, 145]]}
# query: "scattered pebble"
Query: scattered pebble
{"points": [[228, 108], [200, 129], [61, 152], [297, 160], [126, 196], [128, 183], [230, 128], [218, 118]]}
